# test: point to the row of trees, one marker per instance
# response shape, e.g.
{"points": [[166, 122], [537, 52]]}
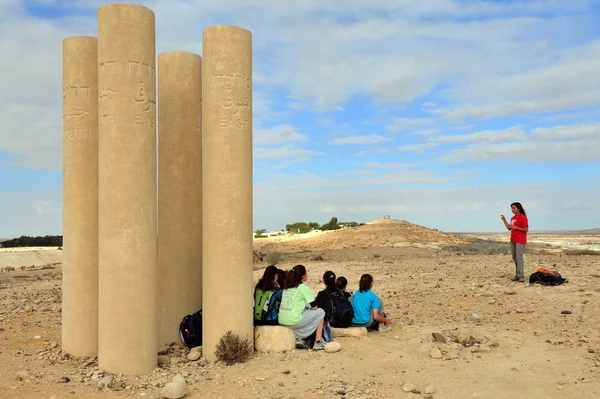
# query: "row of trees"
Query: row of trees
{"points": [[303, 227], [27, 241]]}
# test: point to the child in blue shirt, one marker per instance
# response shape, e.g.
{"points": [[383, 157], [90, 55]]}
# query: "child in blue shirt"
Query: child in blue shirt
{"points": [[368, 308]]}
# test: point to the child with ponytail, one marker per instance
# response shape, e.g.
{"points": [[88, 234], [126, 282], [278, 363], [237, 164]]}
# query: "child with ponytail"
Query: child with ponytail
{"points": [[368, 308], [298, 309]]}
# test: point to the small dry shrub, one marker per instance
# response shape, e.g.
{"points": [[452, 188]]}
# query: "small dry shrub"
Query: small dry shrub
{"points": [[233, 349], [273, 258]]}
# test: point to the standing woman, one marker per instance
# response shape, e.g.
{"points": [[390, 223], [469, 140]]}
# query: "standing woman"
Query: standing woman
{"points": [[519, 226]]}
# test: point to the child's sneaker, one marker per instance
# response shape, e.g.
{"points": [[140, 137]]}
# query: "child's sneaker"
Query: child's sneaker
{"points": [[301, 344], [318, 345], [383, 328]]}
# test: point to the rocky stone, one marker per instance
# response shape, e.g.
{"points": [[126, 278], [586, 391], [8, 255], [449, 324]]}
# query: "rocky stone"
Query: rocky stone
{"points": [[439, 337], [174, 390], [349, 332], [409, 387], [163, 360], [429, 389], [195, 354], [105, 382], [435, 353], [274, 339], [333, 347]]}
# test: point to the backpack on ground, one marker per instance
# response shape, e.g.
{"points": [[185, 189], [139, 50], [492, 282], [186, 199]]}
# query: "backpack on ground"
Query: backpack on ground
{"points": [[190, 330], [343, 313], [547, 277]]}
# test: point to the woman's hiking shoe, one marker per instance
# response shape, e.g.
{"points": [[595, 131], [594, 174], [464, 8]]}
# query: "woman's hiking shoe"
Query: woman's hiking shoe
{"points": [[301, 344], [383, 328], [319, 345]]}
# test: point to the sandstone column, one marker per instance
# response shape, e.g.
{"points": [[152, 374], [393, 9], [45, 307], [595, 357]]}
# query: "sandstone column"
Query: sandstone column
{"points": [[227, 184], [80, 196], [179, 191], [127, 338]]}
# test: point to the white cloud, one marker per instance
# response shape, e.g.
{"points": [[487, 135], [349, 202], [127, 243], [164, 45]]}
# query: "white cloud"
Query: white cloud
{"points": [[353, 140], [510, 134], [292, 162], [398, 124], [567, 132], [540, 151], [386, 165], [417, 147], [280, 134], [411, 177], [549, 86], [283, 152]]}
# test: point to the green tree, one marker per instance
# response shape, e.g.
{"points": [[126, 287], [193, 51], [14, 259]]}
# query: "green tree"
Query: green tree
{"points": [[298, 228]]}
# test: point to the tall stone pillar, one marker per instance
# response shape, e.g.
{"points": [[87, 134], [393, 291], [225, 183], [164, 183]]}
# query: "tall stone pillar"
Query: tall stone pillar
{"points": [[227, 184], [179, 190], [80, 196], [127, 339]]}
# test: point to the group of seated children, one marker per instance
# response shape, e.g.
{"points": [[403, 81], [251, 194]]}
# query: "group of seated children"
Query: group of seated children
{"points": [[283, 298]]}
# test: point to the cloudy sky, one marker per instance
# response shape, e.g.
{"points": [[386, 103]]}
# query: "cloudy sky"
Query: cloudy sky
{"points": [[438, 112]]}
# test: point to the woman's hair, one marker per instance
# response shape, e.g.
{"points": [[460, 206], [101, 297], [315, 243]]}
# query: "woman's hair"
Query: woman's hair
{"points": [[294, 276], [365, 282], [281, 278], [519, 207], [329, 279], [341, 282], [266, 281]]}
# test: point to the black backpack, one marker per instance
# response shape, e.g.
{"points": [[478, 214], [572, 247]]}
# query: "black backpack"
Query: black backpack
{"points": [[547, 277], [190, 330], [343, 313]]}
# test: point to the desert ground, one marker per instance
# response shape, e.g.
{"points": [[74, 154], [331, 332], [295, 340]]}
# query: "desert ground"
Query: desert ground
{"points": [[502, 339]]}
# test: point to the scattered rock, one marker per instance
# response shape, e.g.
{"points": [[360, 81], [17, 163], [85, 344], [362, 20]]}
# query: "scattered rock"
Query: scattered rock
{"points": [[409, 387], [174, 390], [333, 347], [163, 360], [349, 332], [105, 382], [566, 312], [435, 353], [475, 316], [195, 354], [430, 389], [439, 337]]}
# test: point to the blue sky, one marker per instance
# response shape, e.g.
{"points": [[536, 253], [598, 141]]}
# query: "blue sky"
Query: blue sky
{"points": [[441, 112]]}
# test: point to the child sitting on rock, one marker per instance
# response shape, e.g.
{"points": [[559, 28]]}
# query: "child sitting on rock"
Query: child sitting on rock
{"points": [[368, 308], [342, 284], [298, 309], [267, 298]]}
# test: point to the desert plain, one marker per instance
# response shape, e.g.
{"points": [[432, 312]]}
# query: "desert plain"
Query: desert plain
{"points": [[494, 338]]}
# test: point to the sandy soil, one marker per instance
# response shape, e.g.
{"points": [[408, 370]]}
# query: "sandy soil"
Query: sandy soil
{"points": [[537, 342]]}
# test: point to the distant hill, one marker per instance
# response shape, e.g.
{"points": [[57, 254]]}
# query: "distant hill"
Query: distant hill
{"points": [[379, 233]]}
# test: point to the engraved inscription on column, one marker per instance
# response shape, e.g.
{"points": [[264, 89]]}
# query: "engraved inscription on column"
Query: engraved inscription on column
{"points": [[107, 119], [144, 93], [235, 99], [78, 133], [76, 91], [76, 115]]}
